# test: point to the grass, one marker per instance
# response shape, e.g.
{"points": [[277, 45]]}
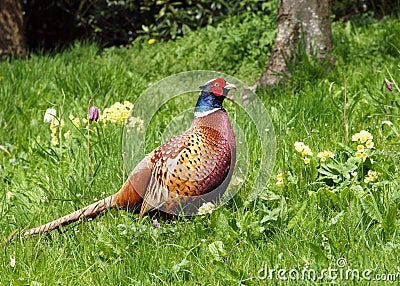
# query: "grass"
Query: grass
{"points": [[312, 222]]}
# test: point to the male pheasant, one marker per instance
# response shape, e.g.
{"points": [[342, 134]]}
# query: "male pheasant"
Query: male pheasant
{"points": [[188, 170]]}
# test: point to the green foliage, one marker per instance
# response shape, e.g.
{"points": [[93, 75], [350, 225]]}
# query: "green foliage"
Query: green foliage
{"points": [[240, 45], [312, 217], [114, 23], [174, 19], [360, 10]]}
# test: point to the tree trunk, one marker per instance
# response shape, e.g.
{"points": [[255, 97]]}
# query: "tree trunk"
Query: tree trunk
{"points": [[11, 28], [300, 22]]}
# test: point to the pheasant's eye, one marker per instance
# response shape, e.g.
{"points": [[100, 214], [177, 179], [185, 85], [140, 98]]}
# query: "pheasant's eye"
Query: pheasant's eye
{"points": [[216, 84]]}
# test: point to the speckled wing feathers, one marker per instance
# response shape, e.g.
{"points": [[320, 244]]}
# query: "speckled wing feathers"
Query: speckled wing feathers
{"points": [[189, 165]]}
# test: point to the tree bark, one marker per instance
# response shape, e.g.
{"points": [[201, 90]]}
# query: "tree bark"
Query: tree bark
{"points": [[300, 22], [12, 41]]}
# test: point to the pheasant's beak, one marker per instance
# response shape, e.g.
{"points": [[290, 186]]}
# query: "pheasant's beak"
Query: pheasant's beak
{"points": [[229, 86]]}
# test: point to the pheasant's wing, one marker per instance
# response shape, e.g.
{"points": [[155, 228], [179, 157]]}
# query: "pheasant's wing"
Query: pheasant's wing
{"points": [[191, 164]]}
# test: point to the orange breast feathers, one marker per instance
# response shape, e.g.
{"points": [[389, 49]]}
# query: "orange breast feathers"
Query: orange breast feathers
{"points": [[191, 164]]}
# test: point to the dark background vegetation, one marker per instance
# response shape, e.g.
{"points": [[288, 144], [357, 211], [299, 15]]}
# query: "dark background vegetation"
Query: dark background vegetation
{"points": [[53, 25]]}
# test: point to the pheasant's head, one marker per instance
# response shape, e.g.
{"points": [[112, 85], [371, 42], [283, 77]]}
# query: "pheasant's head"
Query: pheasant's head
{"points": [[211, 96]]}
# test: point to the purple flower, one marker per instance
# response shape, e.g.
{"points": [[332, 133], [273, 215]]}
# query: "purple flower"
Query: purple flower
{"points": [[389, 85], [94, 113], [156, 224]]}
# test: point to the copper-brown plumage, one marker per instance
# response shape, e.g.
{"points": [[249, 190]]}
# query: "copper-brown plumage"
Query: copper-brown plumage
{"points": [[182, 173]]}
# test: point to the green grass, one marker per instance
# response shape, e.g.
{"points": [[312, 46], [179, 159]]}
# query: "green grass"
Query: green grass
{"points": [[309, 223]]}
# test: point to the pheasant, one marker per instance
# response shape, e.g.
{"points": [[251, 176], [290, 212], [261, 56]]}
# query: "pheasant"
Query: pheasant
{"points": [[188, 170]]}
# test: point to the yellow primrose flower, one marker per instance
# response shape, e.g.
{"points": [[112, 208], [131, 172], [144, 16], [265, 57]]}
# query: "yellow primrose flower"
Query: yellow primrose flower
{"points": [[330, 154], [117, 113], [369, 144], [151, 41], [236, 181], [54, 139], [365, 135], [362, 136], [303, 149], [67, 134], [360, 148], [128, 104], [55, 126], [10, 195], [325, 155], [75, 120], [206, 208], [307, 151], [355, 137], [306, 160], [362, 156], [299, 146], [371, 176], [279, 180]]}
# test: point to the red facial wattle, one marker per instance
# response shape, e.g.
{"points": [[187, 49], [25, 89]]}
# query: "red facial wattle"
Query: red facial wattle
{"points": [[217, 86], [217, 90]]}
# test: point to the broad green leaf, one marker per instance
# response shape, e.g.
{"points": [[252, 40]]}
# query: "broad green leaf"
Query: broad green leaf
{"points": [[295, 220], [177, 267], [336, 218], [284, 209], [371, 209], [272, 215], [269, 196], [389, 222], [319, 255], [226, 271], [217, 250]]}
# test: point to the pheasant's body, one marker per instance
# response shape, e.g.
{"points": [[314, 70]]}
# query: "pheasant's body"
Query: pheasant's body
{"points": [[181, 174]]}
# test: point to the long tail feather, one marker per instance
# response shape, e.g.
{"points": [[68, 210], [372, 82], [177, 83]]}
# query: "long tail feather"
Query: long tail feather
{"points": [[87, 212]]}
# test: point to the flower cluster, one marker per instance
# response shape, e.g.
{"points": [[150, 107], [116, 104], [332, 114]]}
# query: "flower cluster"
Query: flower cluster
{"points": [[56, 124], [117, 113], [76, 121], [206, 208], [279, 180], [304, 151], [371, 176], [363, 137], [342, 173], [323, 156]]}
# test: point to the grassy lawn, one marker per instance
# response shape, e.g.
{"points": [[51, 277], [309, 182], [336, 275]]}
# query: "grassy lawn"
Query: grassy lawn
{"points": [[311, 216]]}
